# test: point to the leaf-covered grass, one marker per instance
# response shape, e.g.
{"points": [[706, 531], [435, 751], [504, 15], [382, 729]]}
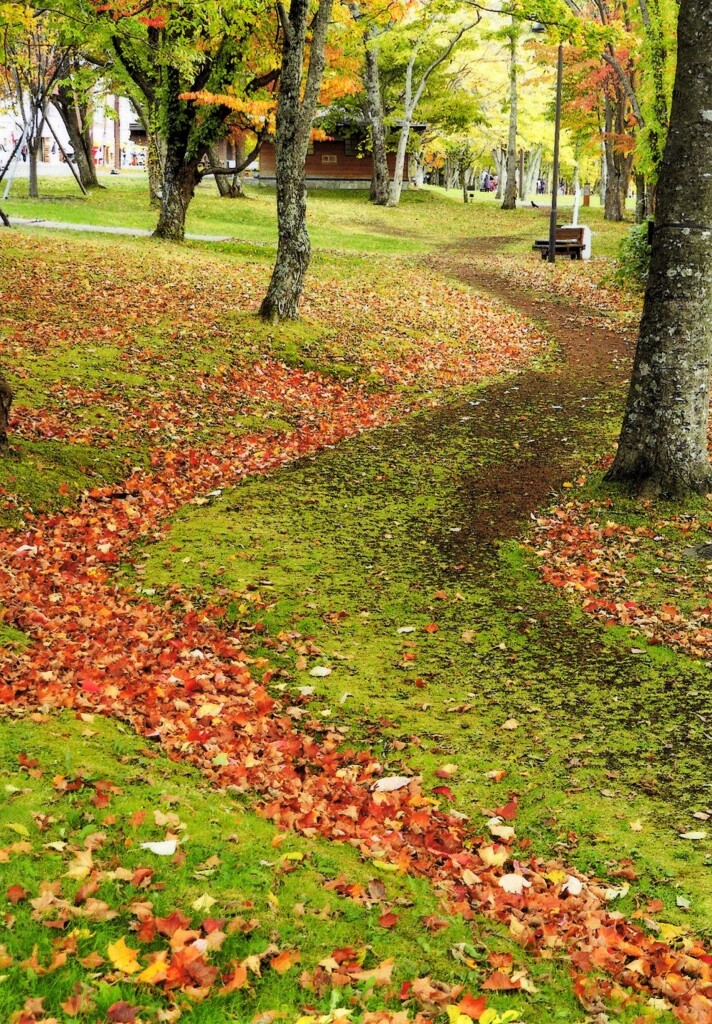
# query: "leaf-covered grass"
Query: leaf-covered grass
{"points": [[610, 757], [134, 358], [81, 795]]}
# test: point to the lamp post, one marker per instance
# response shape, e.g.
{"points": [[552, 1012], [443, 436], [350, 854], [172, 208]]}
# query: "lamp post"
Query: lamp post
{"points": [[538, 27]]}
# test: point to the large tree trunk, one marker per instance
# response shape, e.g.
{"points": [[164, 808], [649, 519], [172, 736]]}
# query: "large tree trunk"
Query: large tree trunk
{"points": [[509, 201], [77, 121], [177, 189], [294, 120], [663, 444], [6, 397], [380, 177]]}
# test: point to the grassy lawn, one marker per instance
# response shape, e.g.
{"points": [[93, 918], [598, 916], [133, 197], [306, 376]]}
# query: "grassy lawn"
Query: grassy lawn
{"points": [[126, 354], [344, 221]]}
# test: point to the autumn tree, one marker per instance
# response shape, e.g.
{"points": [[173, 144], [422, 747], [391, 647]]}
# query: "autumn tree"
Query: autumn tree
{"points": [[31, 63], [415, 53], [663, 447], [166, 53], [300, 83]]}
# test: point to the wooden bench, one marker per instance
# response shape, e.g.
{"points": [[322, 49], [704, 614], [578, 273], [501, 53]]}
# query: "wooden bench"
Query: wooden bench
{"points": [[569, 242]]}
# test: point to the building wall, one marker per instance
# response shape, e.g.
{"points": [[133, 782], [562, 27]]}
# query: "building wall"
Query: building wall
{"points": [[329, 163], [102, 134]]}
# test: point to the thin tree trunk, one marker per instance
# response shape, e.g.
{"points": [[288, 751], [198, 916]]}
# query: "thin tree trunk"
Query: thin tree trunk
{"points": [[294, 119], [397, 183], [641, 204], [510, 192], [33, 150], [663, 445], [380, 177], [532, 171], [6, 397]]}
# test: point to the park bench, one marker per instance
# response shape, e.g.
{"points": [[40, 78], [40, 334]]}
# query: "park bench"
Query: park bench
{"points": [[569, 242]]}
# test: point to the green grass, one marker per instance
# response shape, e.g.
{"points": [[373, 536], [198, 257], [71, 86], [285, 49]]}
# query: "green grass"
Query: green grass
{"points": [[338, 220]]}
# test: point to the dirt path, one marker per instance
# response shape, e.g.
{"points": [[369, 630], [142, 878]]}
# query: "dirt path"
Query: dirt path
{"points": [[550, 414]]}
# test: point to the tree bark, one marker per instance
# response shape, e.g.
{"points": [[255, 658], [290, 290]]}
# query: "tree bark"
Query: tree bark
{"points": [[177, 189], [663, 444], [77, 121], [641, 204], [509, 201], [6, 397], [618, 164], [294, 120], [374, 104], [33, 149]]}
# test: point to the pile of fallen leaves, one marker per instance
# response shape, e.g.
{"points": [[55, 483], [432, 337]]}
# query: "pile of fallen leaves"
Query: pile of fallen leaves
{"points": [[587, 551]]}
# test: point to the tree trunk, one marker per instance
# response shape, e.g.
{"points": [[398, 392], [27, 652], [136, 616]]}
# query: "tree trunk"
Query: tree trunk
{"points": [[223, 185], [6, 397], [381, 177], [510, 192], [663, 445], [397, 183], [294, 119], [641, 204], [532, 172], [155, 159], [178, 187], [33, 150], [77, 122]]}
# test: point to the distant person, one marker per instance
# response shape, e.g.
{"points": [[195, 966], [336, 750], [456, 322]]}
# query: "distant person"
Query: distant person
{"points": [[24, 152]]}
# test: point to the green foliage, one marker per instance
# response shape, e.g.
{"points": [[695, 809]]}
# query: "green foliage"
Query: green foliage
{"points": [[633, 260]]}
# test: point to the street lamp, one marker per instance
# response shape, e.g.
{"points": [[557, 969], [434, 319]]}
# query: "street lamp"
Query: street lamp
{"points": [[538, 27]]}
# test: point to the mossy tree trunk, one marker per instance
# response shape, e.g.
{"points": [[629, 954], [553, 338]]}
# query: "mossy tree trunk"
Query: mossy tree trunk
{"points": [[295, 113], [663, 445]]}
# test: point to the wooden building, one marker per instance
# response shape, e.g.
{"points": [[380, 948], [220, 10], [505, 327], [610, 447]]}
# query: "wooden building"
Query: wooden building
{"points": [[333, 163]]}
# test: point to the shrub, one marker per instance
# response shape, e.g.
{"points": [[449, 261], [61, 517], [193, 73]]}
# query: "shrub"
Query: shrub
{"points": [[633, 260]]}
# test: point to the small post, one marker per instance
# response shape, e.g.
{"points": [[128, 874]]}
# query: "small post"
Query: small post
{"points": [[557, 138], [117, 136]]}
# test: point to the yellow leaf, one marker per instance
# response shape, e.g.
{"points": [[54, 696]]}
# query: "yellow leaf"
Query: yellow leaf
{"points": [[455, 1016], [203, 903], [20, 829], [154, 973], [385, 866], [635, 826], [123, 957], [273, 901]]}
